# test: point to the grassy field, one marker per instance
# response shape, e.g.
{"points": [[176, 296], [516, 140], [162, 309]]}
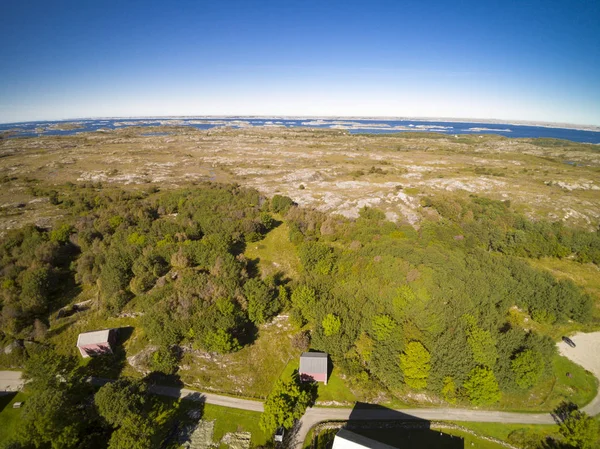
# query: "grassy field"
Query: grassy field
{"points": [[580, 389], [234, 420], [275, 253], [9, 416], [336, 390]]}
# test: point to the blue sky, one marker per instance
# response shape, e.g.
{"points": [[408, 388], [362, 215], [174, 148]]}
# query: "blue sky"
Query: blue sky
{"points": [[481, 59]]}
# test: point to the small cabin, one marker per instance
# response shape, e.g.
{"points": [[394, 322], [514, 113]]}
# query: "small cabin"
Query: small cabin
{"points": [[345, 439], [314, 367], [97, 342]]}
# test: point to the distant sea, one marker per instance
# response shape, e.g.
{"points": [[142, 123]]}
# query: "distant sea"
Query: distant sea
{"points": [[369, 126]]}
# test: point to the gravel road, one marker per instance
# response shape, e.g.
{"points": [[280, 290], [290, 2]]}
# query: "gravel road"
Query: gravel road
{"points": [[586, 353]]}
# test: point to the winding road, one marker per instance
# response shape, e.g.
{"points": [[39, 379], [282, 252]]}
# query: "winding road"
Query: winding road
{"points": [[584, 354]]}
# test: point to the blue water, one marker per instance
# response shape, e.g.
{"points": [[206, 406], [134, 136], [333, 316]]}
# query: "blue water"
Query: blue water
{"points": [[373, 126]]}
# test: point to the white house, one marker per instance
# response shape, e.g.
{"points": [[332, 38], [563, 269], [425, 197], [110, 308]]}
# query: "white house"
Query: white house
{"points": [[345, 439]]}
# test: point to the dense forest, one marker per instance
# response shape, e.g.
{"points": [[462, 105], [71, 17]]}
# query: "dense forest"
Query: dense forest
{"points": [[429, 309]]}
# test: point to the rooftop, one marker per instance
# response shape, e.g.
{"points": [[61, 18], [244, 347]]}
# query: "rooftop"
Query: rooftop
{"points": [[94, 337], [313, 362]]}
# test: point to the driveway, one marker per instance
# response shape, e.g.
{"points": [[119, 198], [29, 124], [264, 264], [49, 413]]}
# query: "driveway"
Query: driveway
{"points": [[587, 354], [10, 381]]}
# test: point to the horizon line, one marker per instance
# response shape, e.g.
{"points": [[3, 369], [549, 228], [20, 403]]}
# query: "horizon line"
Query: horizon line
{"points": [[517, 122]]}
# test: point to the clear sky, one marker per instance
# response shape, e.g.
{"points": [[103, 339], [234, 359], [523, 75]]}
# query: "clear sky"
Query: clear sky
{"points": [[529, 60]]}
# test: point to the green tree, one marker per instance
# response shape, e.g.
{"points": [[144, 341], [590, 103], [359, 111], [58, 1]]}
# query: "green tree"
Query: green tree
{"points": [[286, 403], [136, 432], [61, 234], [47, 369], [331, 325], [165, 360], [115, 275], [262, 304], [528, 367], [579, 430], [281, 204], [316, 257], [35, 285], [117, 401], [481, 386], [49, 419], [126, 405], [220, 341], [415, 363]]}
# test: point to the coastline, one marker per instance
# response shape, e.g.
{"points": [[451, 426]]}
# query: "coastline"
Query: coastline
{"points": [[540, 124]]}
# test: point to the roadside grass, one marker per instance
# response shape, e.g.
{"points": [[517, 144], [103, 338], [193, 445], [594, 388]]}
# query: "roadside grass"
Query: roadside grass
{"points": [[465, 438], [226, 420], [516, 434], [9, 417], [249, 372], [275, 253], [235, 420], [580, 389], [336, 390]]}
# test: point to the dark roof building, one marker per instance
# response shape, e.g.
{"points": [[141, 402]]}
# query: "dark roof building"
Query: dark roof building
{"points": [[350, 440], [314, 367]]}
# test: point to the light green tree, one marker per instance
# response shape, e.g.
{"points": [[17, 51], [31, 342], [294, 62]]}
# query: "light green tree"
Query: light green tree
{"points": [[404, 297], [482, 386], [449, 390], [528, 367], [383, 326], [415, 364], [304, 299], [482, 343], [579, 430], [220, 341], [364, 347], [331, 325]]}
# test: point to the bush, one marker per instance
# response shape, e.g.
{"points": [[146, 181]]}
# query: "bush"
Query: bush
{"points": [[281, 204]]}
